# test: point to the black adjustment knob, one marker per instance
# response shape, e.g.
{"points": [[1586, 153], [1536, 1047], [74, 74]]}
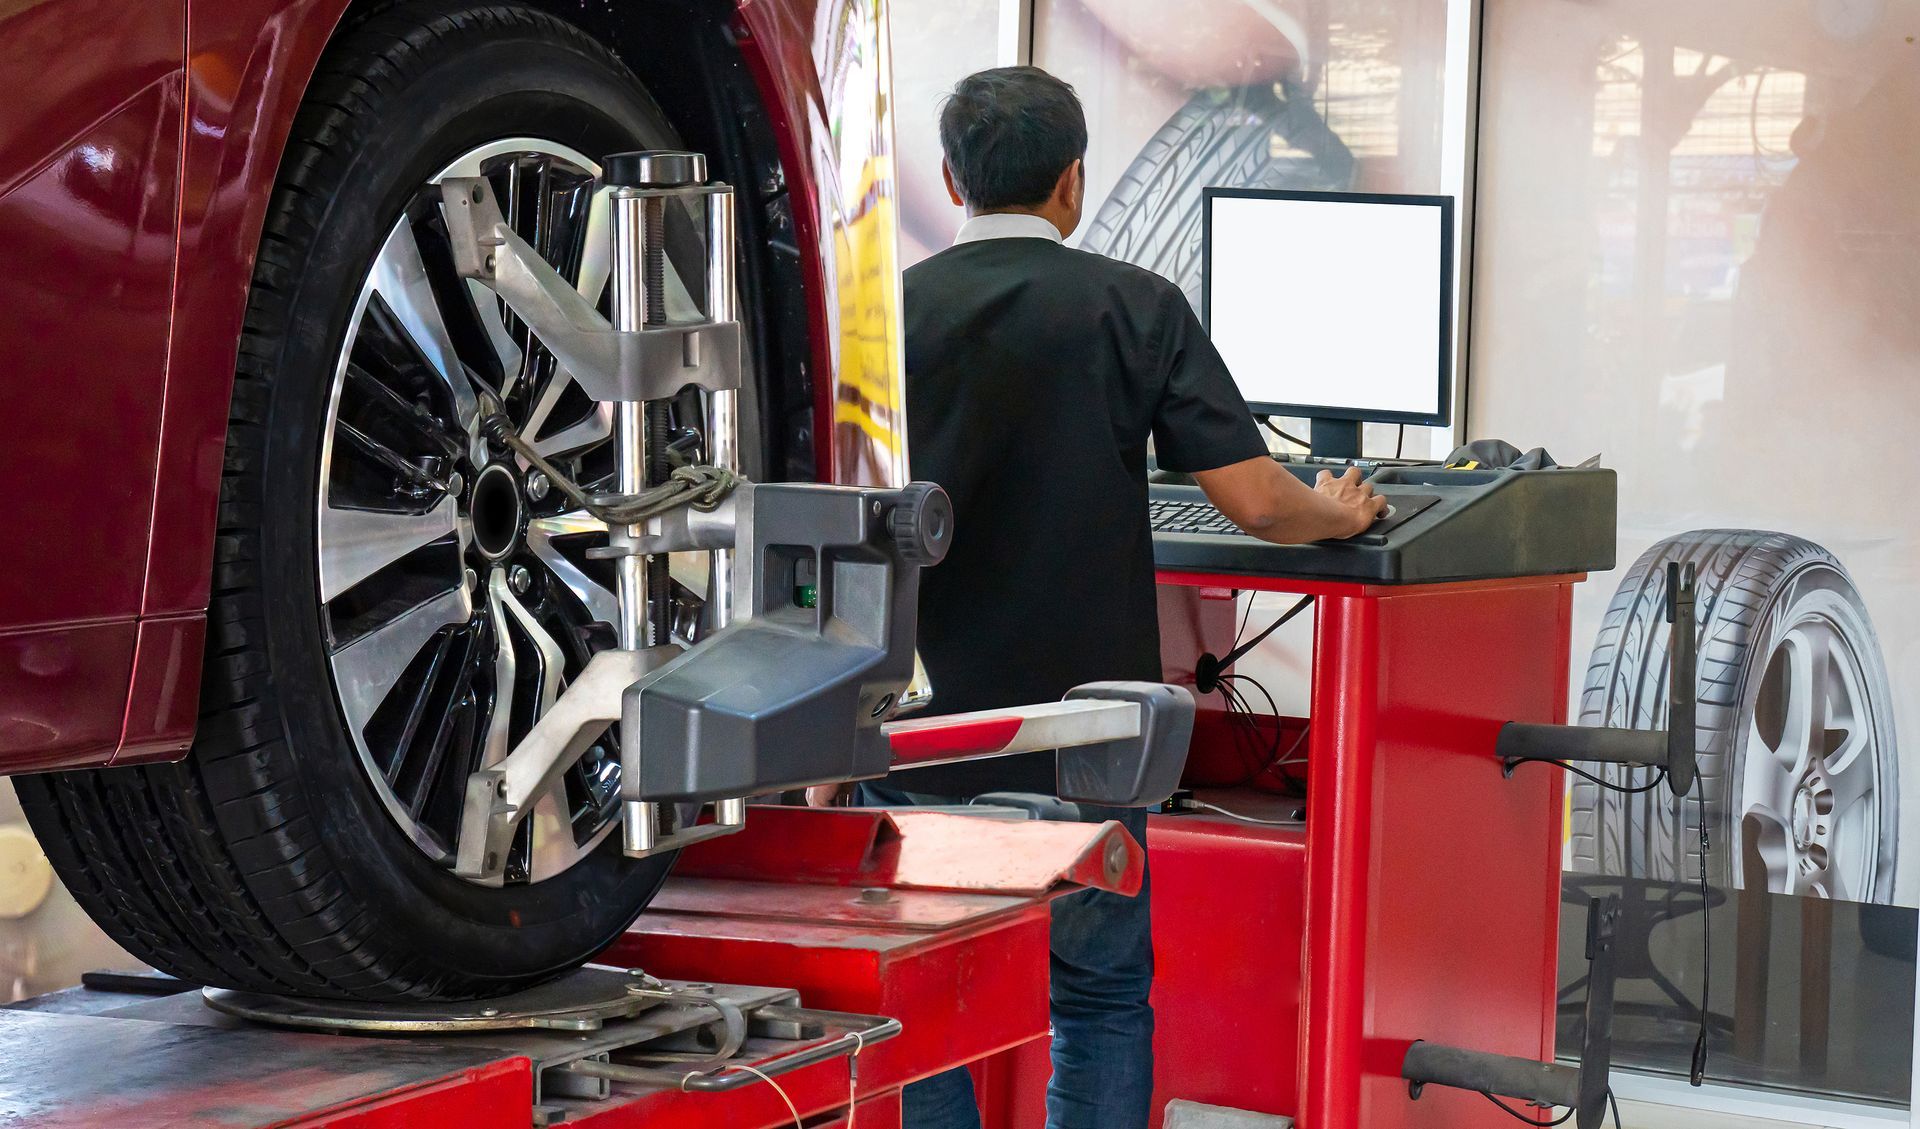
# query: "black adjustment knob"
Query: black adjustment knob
{"points": [[922, 523], [654, 168]]}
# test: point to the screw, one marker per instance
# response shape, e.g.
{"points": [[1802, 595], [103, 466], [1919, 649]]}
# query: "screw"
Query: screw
{"points": [[473, 578], [538, 486], [875, 896], [455, 484], [490, 263], [489, 1012], [519, 579]]}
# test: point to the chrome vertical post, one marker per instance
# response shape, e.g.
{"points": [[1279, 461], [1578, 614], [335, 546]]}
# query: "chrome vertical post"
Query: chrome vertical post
{"points": [[630, 274], [723, 408]]}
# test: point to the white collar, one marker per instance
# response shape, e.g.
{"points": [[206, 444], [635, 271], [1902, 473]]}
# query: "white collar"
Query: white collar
{"points": [[1006, 225]]}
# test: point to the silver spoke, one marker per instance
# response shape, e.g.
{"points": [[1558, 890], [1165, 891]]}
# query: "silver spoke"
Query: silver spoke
{"points": [[599, 601], [493, 321], [355, 544], [505, 676], [596, 259], [400, 277], [553, 663], [367, 669], [597, 427]]}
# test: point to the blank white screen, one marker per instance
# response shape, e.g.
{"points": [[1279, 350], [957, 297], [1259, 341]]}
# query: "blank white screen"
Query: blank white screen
{"points": [[1328, 303]]}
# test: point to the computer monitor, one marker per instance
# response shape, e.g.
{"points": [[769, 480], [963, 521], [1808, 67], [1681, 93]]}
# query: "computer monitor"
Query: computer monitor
{"points": [[1336, 306]]}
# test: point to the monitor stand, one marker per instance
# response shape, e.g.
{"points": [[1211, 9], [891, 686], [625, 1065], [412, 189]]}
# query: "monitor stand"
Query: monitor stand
{"points": [[1335, 438]]}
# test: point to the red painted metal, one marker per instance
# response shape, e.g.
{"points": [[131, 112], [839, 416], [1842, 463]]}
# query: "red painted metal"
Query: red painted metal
{"points": [[933, 742], [918, 851], [63, 693], [1227, 958], [494, 1096], [1420, 902], [162, 705]]}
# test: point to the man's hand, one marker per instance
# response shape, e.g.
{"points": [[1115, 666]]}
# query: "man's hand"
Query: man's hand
{"points": [[1356, 497], [1266, 500]]}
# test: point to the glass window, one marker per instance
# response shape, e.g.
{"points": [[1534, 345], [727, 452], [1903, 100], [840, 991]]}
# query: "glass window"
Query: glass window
{"points": [[1694, 256]]}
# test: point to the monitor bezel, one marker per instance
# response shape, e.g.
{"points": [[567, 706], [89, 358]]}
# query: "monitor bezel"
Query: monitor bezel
{"points": [[1443, 417]]}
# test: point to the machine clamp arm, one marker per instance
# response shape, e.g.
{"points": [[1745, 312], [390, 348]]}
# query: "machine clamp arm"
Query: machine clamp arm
{"points": [[1672, 748]]}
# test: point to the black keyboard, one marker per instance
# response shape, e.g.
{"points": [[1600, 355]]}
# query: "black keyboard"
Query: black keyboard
{"points": [[1188, 517]]}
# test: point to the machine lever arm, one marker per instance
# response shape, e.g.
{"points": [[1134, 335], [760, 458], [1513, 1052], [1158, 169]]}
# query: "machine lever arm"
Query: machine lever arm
{"points": [[1120, 744], [1672, 748]]}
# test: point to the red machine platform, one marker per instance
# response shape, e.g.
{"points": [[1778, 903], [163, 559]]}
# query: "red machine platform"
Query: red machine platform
{"points": [[937, 921]]}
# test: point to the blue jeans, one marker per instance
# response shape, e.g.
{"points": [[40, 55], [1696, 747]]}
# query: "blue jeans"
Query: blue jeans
{"points": [[1101, 972]]}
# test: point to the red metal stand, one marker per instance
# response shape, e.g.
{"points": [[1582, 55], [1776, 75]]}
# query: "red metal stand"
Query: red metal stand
{"points": [[1421, 899]]}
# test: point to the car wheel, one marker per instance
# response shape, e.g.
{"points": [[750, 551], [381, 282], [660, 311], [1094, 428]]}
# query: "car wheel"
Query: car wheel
{"points": [[1796, 738], [395, 599], [1243, 137]]}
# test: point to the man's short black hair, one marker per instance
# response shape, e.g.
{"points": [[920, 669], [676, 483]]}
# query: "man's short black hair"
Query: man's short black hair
{"points": [[1008, 134]]}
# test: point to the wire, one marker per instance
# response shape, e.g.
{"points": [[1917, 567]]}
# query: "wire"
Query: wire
{"points": [[1275, 758], [1615, 1105], [1218, 810], [1240, 650], [1400, 441], [791, 1108], [1519, 1116], [853, 1077], [1659, 777], [1267, 421], [1698, 1075]]}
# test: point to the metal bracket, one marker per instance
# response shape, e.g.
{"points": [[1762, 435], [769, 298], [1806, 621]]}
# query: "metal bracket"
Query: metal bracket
{"points": [[1673, 748], [1582, 1088], [501, 795], [609, 364]]}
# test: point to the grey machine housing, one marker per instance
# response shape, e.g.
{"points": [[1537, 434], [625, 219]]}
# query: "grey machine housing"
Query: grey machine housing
{"points": [[789, 694]]}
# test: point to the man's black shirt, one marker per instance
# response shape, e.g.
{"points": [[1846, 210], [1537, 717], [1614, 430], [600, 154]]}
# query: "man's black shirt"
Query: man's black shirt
{"points": [[1035, 374]]}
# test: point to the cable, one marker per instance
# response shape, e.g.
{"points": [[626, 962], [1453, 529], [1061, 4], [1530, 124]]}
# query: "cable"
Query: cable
{"points": [[1519, 1116], [1400, 441], [1235, 655], [702, 487], [853, 1077], [1218, 810], [1659, 777], [1267, 421], [791, 1108], [1615, 1105], [1698, 1075]]}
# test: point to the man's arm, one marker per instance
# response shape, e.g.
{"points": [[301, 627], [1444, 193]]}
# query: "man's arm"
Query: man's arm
{"points": [[1267, 501]]}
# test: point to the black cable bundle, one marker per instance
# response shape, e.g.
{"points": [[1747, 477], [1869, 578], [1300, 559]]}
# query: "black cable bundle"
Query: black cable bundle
{"points": [[1210, 678]]}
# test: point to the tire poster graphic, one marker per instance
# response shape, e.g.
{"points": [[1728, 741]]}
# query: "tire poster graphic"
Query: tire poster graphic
{"points": [[1691, 255]]}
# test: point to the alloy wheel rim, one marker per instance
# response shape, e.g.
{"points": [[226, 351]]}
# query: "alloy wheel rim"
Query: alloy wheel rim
{"points": [[455, 593], [1811, 770]]}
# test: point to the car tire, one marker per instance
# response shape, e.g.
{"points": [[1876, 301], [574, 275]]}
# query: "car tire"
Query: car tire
{"points": [[265, 860], [1224, 136], [1816, 816]]}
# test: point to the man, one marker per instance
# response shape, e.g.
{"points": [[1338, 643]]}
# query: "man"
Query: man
{"points": [[1035, 376]]}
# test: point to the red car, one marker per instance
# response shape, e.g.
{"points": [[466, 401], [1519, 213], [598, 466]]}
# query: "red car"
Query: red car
{"points": [[242, 674]]}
